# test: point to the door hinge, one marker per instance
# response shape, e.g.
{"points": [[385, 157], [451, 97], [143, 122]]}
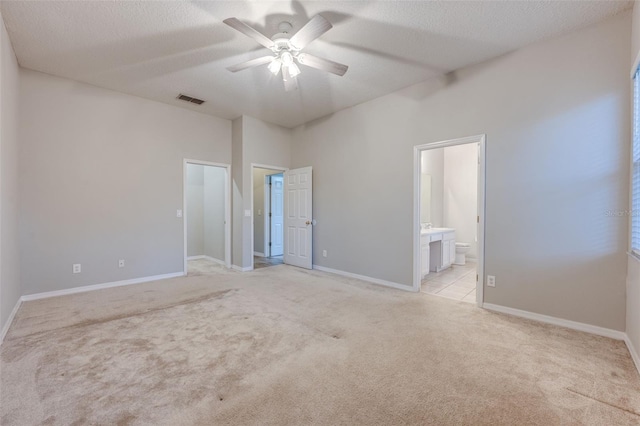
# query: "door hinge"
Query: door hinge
{"points": [[476, 277], [478, 219], [269, 214], [269, 243]]}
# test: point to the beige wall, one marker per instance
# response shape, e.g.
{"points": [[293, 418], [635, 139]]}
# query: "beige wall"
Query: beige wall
{"points": [[10, 288], [101, 180], [214, 212], [195, 210], [633, 271], [556, 116], [635, 34], [237, 205], [205, 211]]}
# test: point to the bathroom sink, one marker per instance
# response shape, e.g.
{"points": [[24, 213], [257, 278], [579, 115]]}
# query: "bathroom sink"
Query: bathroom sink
{"points": [[436, 230]]}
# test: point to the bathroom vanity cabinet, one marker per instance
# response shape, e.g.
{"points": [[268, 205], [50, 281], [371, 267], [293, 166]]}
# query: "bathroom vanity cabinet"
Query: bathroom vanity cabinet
{"points": [[424, 255], [437, 249]]}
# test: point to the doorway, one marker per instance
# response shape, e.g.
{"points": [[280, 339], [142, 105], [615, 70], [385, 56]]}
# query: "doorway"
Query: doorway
{"points": [[449, 217], [268, 215], [206, 216], [274, 215]]}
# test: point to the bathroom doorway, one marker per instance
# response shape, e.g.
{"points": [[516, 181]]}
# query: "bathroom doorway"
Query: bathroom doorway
{"points": [[449, 218], [274, 218], [268, 215], [206, 216]]}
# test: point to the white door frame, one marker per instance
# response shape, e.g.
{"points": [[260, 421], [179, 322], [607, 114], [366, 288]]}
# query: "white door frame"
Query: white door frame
{"points": [[417, 151], [276, 169], [227, 208], [266, 250]]}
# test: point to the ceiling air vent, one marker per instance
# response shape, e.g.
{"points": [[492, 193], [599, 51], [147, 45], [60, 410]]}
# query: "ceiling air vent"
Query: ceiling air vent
{"points": [[190, 99]]}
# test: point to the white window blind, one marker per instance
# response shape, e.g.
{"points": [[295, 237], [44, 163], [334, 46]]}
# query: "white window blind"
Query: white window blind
{"points": [[635, 183]]}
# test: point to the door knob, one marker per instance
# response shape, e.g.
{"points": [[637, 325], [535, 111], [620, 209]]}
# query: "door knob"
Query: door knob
{"points": [[308, 223]]}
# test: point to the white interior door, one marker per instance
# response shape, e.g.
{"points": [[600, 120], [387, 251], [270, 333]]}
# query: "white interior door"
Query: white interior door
{"points": [[277, 215], [298, 230]]}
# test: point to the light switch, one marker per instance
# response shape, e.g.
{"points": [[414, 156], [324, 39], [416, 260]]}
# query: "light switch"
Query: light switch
{"points": [[259, 212], [247, 213], [179, 213]]}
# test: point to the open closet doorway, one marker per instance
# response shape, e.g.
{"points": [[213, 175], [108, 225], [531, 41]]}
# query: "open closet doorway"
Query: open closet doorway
{"points": [[449, 206], [268, 215], [206, 217]]}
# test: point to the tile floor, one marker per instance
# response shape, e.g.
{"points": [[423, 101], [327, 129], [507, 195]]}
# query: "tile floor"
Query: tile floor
{"points": [[457, 282], [263, 262]]}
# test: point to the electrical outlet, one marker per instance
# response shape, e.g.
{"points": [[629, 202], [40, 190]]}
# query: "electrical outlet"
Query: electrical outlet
{"points": [[178, 213], [491, 281], [121, 263], [77, 268], [324, 253]]}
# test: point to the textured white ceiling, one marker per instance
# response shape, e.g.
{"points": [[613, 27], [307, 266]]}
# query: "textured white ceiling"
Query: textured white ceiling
{"points": [[157, 50]]}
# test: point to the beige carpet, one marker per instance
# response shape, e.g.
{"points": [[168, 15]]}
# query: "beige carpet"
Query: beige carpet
{"points": [[287, 346]]}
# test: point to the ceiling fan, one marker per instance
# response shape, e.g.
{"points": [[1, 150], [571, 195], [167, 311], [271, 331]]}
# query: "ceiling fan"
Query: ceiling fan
{"points": [[287, 50]]}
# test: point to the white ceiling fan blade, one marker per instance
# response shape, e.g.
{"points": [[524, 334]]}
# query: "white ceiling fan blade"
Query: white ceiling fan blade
{"points": [[290, 82], [311, 31], [236, 24], [322, 64], [252, 63]]}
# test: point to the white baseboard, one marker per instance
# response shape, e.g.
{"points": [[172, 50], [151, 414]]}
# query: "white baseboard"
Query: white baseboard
{"points": [[574, 325], [633, 352], [5, 329], [83, 289], [365, 278], [257, 253], [241, 269], [204, 256], [213, 259]]}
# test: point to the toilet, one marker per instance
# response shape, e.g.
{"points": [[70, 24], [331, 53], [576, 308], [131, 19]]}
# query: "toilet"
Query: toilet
{"points": [[461, 251]]}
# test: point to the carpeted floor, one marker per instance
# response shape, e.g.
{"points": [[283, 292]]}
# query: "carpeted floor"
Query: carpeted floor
{"points": [[283, 345]]}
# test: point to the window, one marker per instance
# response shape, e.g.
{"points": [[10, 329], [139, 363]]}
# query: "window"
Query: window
{"points": [[635, 168]]}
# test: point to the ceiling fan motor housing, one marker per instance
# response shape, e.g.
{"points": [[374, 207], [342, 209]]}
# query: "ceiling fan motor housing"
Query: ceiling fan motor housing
{"points": [[285, 27], [281, 43]]}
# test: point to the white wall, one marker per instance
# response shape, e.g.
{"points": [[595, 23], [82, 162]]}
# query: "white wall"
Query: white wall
{"points": [[195, 210], [460, 183], [556, 116], [432, 164], [101, 180], [255, 142], [214, 212], [10, 288], [633, 271]]}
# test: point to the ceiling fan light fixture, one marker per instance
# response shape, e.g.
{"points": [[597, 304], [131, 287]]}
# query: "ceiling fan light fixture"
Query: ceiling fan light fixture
{"points": [[285, 74], [275, 65], [293, 70], [286, 58]]}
